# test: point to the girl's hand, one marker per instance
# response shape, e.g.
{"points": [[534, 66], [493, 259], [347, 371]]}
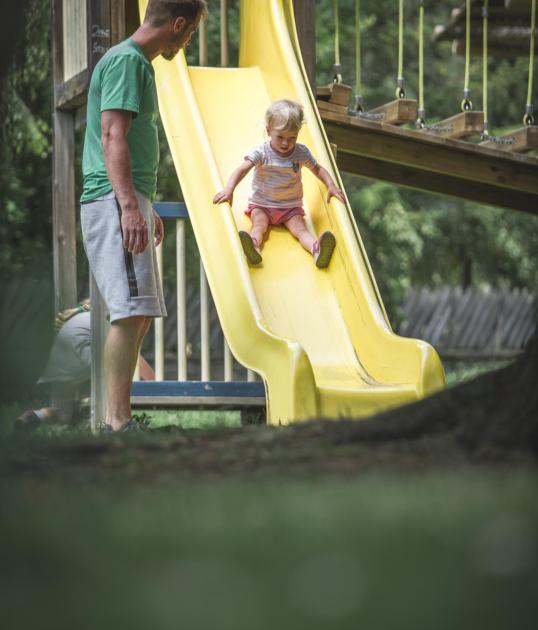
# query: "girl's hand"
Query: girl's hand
{"points": [[224, 195], [334, 191]]}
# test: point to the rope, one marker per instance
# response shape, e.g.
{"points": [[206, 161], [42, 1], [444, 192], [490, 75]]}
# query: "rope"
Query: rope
{"points": [[337, 70], [358, 69], [485, 16], [420, 122], [528, 118], [466, 104], [400, 82]]}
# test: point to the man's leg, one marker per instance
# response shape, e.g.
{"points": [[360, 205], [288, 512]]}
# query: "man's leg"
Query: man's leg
{"points": [[143, 331], [121, 352]]}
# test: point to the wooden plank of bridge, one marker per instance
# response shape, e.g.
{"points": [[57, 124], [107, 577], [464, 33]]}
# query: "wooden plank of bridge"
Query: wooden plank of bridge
{"points": [[335, 93], [454, 167], [520, 141], [397, 112], [462, 125]]}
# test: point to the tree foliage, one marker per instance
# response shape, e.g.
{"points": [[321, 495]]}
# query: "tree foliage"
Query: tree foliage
{"points": [[25, 148]]}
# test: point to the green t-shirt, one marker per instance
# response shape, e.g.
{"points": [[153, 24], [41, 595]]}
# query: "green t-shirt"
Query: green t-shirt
{"points": [[122, 79]]}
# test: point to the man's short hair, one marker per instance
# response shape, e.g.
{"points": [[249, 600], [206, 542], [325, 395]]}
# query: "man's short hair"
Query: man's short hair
{"points": [[160, 11]]}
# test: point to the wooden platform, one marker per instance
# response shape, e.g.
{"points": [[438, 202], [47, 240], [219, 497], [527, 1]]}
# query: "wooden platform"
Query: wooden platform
{"points": [[520, 141], [397, 112], [462, 125], [236, 394], [408, 157], [335, 93]]}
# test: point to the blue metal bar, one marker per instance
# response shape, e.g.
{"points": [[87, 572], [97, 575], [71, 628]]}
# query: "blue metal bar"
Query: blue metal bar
{"points": [[171, 209], [209, 389]]}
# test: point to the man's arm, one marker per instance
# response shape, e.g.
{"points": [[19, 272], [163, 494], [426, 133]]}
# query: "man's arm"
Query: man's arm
{"points": [[115, 124]]}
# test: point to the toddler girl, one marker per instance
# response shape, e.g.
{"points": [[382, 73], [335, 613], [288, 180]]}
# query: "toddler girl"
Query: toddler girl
{"points": [[277, 191]]}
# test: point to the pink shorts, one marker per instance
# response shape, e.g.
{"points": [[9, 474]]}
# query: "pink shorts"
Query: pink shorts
{"points": [[277, 216]]}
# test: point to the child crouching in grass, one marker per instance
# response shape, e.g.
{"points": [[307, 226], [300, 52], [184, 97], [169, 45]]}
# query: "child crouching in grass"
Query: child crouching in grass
{"points": [[277, 191]]}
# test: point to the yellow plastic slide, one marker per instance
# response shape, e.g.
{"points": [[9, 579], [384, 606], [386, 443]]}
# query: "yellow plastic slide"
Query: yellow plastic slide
{"points": [[319, 339]]}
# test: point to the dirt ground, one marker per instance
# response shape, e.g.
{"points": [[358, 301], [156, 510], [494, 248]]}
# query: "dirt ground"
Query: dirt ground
{"points": [[490, 421]]}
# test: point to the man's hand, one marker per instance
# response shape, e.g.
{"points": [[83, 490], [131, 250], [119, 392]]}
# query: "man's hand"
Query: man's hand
{"points": [[135, 231], [334, 191], [224, 195], [159, 228]]}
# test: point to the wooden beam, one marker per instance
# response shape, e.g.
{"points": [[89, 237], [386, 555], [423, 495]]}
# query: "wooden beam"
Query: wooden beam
{"points": [[72, 93], [63, 182], [468, 163], [305, 22], [435, 183], [461, 125], [63, 211], [519, 141]]}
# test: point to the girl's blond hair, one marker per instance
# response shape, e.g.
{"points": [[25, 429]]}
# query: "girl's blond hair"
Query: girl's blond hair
{"points": [[283, 115]]}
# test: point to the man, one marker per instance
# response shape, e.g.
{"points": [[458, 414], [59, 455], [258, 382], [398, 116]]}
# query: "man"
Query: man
{"points": [[120, 161]]}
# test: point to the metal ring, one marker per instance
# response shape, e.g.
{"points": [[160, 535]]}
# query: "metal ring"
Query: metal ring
{"points": [[466, 105], [528, 120], [400, 92]]}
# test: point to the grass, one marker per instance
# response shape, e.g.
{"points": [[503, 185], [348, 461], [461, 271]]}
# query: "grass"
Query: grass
{"points": [[458, 372], [441, 552], [85, 550]]}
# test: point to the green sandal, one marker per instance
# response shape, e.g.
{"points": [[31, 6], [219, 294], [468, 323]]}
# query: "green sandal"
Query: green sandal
{"points": [[252, 252], [323, 249]]}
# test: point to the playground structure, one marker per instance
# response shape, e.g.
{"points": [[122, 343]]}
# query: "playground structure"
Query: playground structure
{"points": [[343, 358], [436, 157]]}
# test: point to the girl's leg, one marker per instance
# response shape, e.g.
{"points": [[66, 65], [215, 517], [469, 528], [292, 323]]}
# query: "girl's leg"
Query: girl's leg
{"points": [[321, 249], [260, 223], [297, 226], [252, 242]]}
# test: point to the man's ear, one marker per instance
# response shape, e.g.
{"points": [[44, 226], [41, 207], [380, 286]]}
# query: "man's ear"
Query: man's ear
{"points": [[179, 24]]}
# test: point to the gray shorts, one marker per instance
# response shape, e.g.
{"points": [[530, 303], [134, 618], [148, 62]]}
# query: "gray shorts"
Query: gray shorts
{"points": [[129, 283]]}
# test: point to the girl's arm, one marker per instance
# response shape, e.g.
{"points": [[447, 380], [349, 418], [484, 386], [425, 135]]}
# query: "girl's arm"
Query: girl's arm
{"points": [[227, 193], [332, 188]]}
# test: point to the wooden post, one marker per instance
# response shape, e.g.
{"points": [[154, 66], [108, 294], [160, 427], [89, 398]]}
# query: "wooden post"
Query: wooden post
{"points": [[99, 331], [118, 21], [305, 22], [63, 182], [224, 44], [99, 41], [99, 31]]}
